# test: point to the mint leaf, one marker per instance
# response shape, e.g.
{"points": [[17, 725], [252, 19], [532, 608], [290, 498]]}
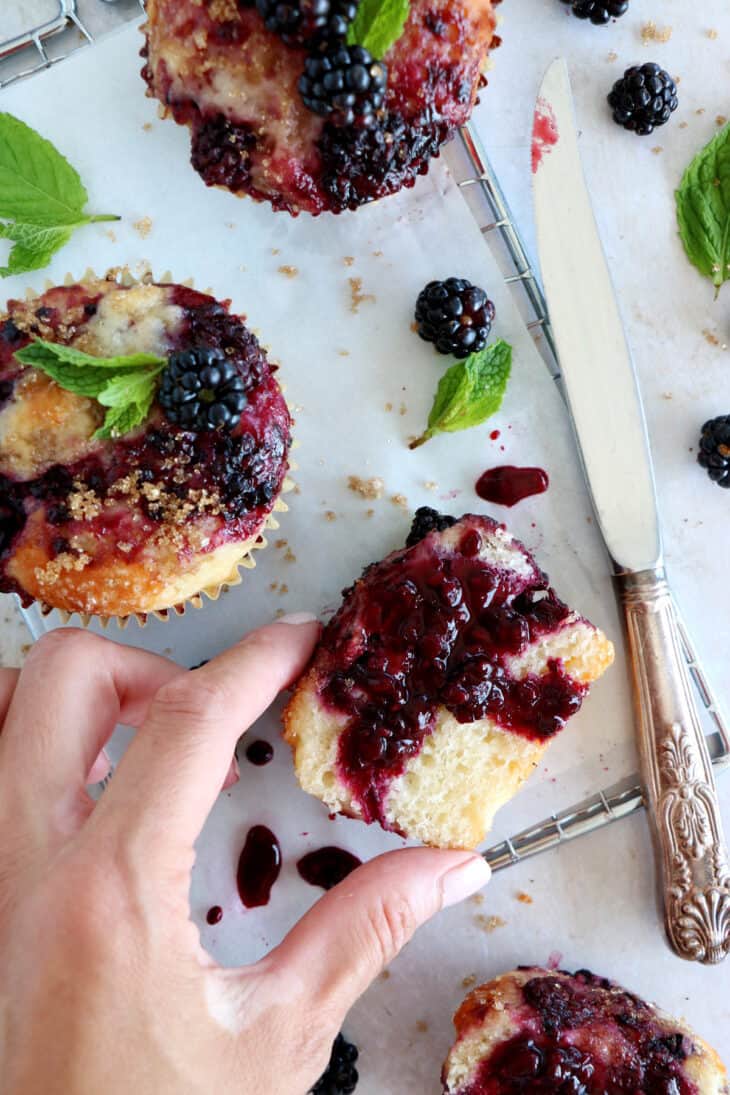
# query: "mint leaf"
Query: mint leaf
{"points": [[33, 246], [470, 391], [40, 352], [129, 398], [125, 385], [39, 189], [703, 209], [378, 24]]}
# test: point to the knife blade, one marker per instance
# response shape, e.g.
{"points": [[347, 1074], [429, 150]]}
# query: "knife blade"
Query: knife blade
{"points": [[607, 413], [594, 356]]}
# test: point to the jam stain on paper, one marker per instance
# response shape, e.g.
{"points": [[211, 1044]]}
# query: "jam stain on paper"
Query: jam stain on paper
{"points": [[544, 133], [508, 485], [327, 866], [258, 867]]}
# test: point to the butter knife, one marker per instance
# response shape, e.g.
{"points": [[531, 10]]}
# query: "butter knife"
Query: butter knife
{"points": [[605, 406]]}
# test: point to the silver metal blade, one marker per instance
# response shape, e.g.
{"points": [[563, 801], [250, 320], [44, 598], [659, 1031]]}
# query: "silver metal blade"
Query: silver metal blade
{"points": [[595, 359]]}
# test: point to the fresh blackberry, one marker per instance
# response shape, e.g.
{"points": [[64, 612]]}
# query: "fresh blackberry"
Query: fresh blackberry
{"points": [[341, 1076], [714, 454], [598, 11], [299, 22], [202, 390], [645, 97], [455, 315], [345, 84], [427, 520]]}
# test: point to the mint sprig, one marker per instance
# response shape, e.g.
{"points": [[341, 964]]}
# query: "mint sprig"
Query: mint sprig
{"points": [[42, 198], [378, 24], [703, 209], [469, 392], [124, 385]]}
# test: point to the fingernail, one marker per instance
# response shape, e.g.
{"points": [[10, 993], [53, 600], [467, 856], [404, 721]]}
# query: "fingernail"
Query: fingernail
{"points": [[295, 618], [463, 881]]}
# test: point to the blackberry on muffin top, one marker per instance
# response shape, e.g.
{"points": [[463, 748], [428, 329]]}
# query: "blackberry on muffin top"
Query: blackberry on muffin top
{"points": [[144, 520]]}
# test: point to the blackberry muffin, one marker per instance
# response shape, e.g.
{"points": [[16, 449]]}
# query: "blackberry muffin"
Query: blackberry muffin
{"points": [[440, 682], [277, 111], [542, 1031], [144, 520]]}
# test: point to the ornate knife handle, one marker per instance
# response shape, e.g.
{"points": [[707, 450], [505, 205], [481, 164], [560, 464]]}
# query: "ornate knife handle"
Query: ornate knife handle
{"points": [[679, 787]]}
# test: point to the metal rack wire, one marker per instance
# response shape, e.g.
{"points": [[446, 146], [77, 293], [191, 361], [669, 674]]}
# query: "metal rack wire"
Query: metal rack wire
{"points": [[37, 48]]}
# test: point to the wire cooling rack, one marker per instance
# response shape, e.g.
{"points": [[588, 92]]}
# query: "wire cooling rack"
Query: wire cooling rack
{"points": [[63, 32]]}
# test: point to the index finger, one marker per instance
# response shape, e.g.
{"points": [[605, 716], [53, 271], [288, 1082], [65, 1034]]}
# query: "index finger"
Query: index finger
{"points": [[169, 778]]}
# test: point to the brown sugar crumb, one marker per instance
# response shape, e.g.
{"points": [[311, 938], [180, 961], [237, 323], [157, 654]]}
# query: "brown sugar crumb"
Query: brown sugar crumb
{"points": [[711, 338], [388, 407], [650, 32], [683, 125], [357, 297], [422, 1026], [330, 515], [613, 56], [289, 556], [700, 110], [414, 327], [279, 613], [369, 512], [111, 235], [274, 586], [657, 149], [667, 395], [148, 127], [431, 485], [349, 260], [143, 226], [289, 271], [469, 981], [344, 353], [83, 503], [275, 250], [281, 543], [489, 924], [402, 410], [712, 33], [399, 500], [720, 119], [477, 899], [377, 254], [385, 975], [283, 589], [524, 898], [366, 488]]}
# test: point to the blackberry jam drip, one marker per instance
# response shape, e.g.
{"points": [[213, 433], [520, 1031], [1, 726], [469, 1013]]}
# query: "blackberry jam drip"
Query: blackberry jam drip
{"points": [[563, 1050], [508, 485], [258, 867], [435, 627], [326, 867]]}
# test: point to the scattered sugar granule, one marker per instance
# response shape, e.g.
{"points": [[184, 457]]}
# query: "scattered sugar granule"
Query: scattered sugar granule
{"points": [[366, 488], [650, 32], [357, 297], [289, 271]]}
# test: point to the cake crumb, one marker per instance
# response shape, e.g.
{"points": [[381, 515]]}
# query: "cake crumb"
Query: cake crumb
{"points": [[700, 110], [344, 353], [657, 149], [524, 898], [711, 337], [289, 556], [377, 254], [357, 297], [712, 34], [385, 975], [281, 543], [289, 271], [369, 512], [275, 250], [279, 613], [147, 127], [612, 56], [283, 589], [399, 500], [650, 32], [721, 119], [366, 488], [477, 899], [143, 227], [111, 235], [349, 260], [667, 395], [421, 1026], [330, 515], [389, 407], [469, 981], [274, 586], [430, 484], [489, 924], [683, 125], [402, 410]]}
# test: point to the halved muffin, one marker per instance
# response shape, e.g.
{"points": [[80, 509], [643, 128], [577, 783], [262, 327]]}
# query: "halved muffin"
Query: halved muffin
{"points": [[440, 682], [144, 520], [549, 1031], [217, 68]]}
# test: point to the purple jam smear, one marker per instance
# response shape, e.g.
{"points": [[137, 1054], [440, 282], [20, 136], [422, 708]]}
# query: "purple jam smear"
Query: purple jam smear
{"points": [[259, 867], [245, 468], [571, 1024], [429, 627], [508, 485], [326, 867]]}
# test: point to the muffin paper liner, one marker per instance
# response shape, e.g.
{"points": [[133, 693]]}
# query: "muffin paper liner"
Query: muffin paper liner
{"points": [[123, 276]]}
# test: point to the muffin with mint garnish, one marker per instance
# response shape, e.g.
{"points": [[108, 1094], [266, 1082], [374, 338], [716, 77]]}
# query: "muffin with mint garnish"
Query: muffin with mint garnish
{"points": [[144, 446]]}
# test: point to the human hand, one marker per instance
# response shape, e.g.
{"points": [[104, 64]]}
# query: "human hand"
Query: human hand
{"points": [[104, 985]]}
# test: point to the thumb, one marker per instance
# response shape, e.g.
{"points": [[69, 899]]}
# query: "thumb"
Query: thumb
{"points": [[341, 945]]}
